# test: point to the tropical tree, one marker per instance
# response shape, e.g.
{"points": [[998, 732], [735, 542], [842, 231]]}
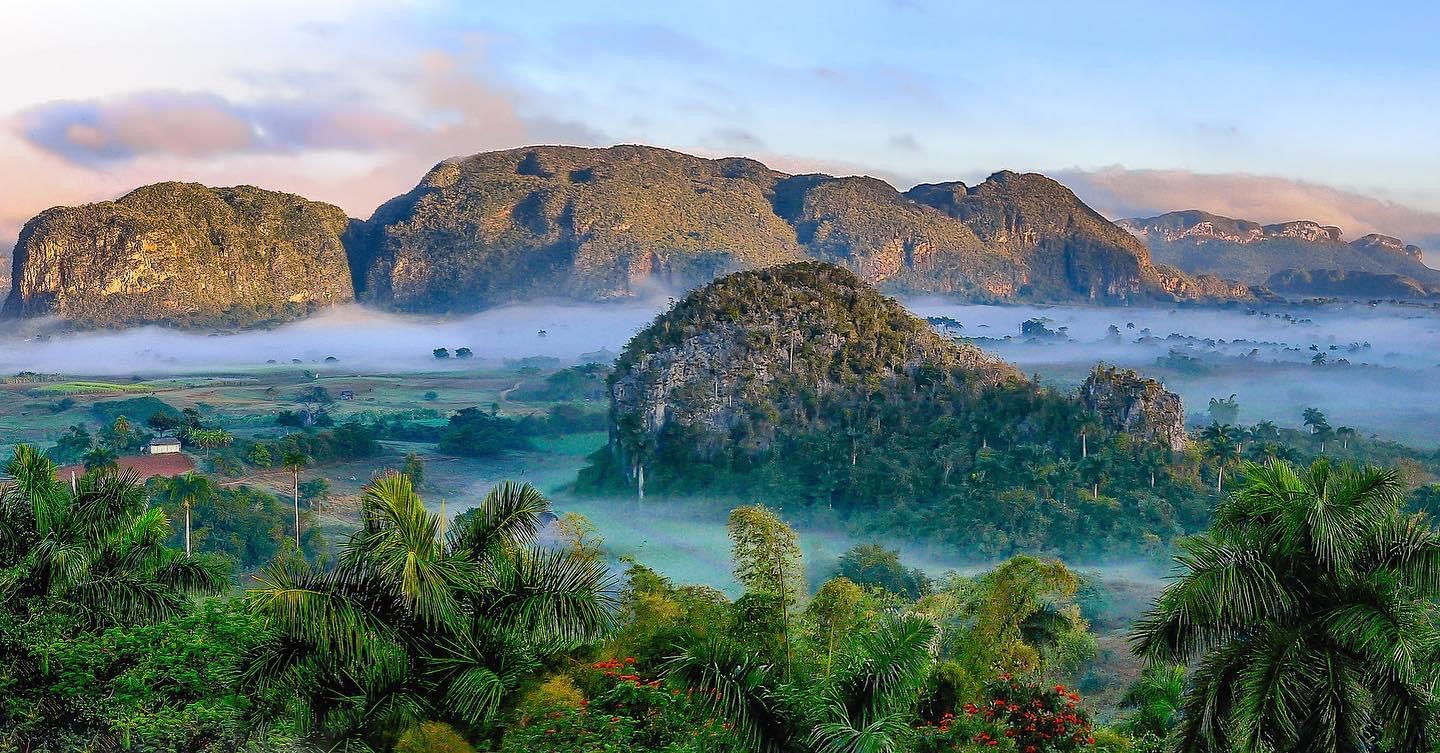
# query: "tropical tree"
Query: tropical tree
{"points": [[1314, 419], [1310, 613], [210, 439], [1345, 433], [868, 702], [186, 491], [99, 550], [295, 461], [1221, 449], [1265, 431], [412, 625], [100, 458], [1155, 701], [1020, 617], [1224, 410], [768, 562], [414, 468]]}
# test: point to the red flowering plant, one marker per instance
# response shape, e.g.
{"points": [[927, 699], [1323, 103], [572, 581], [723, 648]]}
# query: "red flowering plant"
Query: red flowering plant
{"points": [[964, 733], [628, 711], [1037, 718]]}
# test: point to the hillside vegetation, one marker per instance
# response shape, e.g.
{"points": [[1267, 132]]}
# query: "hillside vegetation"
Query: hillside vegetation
{"points": [[182, 253], [803, 383], [609, 223]]}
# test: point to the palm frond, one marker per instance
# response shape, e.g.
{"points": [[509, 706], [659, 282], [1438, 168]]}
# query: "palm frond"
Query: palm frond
{"points": [[550, 594], [885, 667], [509, 516], [1226, 587], [735, 685], [885, 734]]}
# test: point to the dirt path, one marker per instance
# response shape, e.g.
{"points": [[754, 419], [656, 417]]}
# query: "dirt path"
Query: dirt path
{"points": [[505, 393]]}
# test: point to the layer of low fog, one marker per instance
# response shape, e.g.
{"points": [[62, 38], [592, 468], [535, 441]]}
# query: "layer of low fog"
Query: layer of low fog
{"points": [[687, 540], [1380, 373], [358, 338], [1381, 370]]}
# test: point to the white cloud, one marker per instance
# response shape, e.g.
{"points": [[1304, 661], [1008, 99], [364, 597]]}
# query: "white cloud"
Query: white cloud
{"points": [[1118, 192]]}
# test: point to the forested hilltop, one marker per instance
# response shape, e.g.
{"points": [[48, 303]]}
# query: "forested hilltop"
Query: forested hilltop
{"points": [[803, 383]]}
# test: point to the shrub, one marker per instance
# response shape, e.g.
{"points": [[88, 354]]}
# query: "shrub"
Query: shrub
{"points": [[432, 737]]}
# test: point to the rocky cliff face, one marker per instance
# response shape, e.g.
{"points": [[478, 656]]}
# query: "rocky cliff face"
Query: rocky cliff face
{"points": [[611, 223], [1127, 402], [567, 222], [1200, 243], [731, 362], [182, 253], [1193, 225], [1060, 247], [1386, 243]]}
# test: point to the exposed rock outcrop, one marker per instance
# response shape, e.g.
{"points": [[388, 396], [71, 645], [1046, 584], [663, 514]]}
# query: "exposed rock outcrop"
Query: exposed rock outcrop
{"points": [[1200, 243], [1127, 402], [183, 254], [749, 344], [611, 223]]}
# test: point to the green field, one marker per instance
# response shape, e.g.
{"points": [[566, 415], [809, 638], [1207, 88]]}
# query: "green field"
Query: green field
{"points": [[89, 388]]}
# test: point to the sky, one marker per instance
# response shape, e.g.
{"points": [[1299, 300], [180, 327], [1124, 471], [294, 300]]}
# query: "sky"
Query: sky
{"points": [[1262, 110]]}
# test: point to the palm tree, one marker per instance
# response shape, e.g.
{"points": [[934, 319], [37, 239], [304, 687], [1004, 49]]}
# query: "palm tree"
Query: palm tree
{"points": [[1310, 609], [210, 439], [1265, 431], [294, 461], [1345, 433], [99, 550], [186, 490], [1262, 453], [1222, 450], [1156, 699], [1313, 418], [867, 703], [411, 625], [101, 458]]}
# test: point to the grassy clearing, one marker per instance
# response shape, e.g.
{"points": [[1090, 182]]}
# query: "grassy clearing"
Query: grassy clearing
{"points": [[570, 444], [90, 388]]}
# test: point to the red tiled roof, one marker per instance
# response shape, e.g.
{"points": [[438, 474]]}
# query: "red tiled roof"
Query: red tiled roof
{"points": [[166, 464]]}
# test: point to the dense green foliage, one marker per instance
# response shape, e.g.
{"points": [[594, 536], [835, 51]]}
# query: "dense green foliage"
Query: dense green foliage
{"points": [[866, 411], [97, 622], [248, 526], [1308, 614], [1312, 612], [412, 625], [474, 433]]}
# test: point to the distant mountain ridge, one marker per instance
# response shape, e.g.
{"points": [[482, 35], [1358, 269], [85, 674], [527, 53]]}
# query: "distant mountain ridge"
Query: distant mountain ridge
{"points": [[573, 223], [610, 223], [1335, 283], [1203, 243]]}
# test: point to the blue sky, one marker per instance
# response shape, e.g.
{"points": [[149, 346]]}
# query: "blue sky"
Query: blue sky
{"points": [[1271, 111]]}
